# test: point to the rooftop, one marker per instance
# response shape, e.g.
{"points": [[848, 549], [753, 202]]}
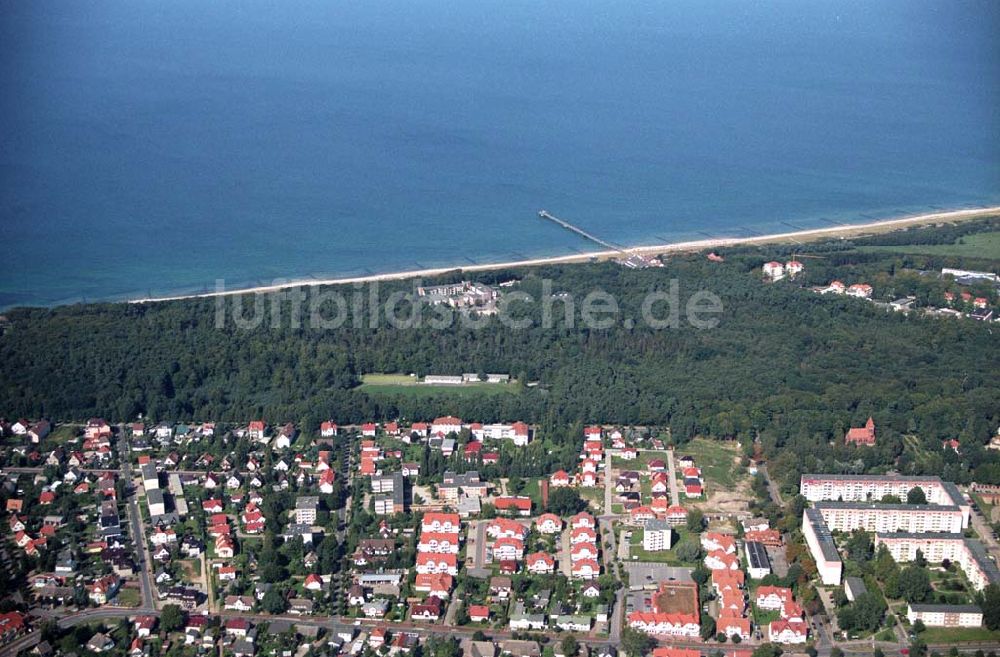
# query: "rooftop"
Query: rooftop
{"points": [[757, 555], [823, 535]]}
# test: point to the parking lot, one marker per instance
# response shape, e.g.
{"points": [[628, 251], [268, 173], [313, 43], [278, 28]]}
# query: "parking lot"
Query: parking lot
{"points": [[642, 574], [779, 564]]}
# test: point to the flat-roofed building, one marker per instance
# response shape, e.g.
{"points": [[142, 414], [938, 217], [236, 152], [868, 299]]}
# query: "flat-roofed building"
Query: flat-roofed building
{"points": [[918, 518], [822, 547], [657, 535], [305, 509], [872, 488], [854, 587], [150, 477], [394, 502], [945, 615], [968, 553], [758, 563], [156, 502]]}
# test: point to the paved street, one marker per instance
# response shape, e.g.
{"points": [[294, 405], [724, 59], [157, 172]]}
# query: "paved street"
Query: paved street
{"points": [[135, 523], [982, 527], [675, 496], [608, 489]]}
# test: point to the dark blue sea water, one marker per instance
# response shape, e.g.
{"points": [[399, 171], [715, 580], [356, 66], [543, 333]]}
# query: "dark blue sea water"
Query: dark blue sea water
{"points": [[153, 147]]}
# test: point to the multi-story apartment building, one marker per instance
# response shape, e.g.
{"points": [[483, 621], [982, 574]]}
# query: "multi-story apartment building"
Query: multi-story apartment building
{"points": [[822, 547], [305, 509], [946, 615], [968, 553], [916, 518], [656, 535], [872, 488]]}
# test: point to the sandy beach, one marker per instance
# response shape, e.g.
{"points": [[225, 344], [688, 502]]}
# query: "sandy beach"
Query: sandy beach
{"points": [[842, 231]]}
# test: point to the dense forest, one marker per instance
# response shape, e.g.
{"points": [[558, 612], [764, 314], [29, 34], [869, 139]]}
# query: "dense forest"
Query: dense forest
{"points": [[784, 363]]}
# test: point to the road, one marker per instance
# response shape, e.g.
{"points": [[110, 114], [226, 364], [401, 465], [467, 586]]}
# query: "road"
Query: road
{"points": [[772, 487], [607, 486], [135, 523], [31, 639], [982, 527], [675, 496]]}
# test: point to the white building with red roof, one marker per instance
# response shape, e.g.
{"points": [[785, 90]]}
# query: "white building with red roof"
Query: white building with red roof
{"points": [[773, 270], [585, 569], [540, 563], [549, 523], [782, 631], [715, 541], [428, 562], [446, 424]]}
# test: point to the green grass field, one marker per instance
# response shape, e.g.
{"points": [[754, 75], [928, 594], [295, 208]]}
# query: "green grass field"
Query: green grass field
{"points": [[405, 385], [715, 458], [388, 380], [129, 598], [977, 245], [957, 634], [640, 462], [62, 434], [637, 553]]}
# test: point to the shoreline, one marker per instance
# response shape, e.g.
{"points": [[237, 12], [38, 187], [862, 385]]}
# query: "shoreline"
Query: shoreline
{"points": [[653, 250]]}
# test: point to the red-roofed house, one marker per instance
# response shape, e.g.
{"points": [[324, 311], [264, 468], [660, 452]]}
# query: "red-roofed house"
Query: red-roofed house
{"points": [[586, 569], [781, 631], [519, 505], [559, 478], [773, 597], [720, 559], [540, 563], [549, 523], [435, 584], [716, 541], [429, 562], [733, 626]]}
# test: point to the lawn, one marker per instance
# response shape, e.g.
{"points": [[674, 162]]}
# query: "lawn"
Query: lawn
{"points": [[129, 597], [414, 390], [388, 379], [63, 434], [595, 495], [715, 458], [410, 386], [948, 635], [637, 553], [639, 462], [531, 489], [645, 495], [977, 245]]}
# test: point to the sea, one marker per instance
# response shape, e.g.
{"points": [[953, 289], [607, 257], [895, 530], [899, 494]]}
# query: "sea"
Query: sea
{"points": [[155, 147]]}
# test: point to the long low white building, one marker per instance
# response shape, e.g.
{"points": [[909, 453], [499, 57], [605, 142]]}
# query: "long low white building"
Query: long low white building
{"points": [[822, 547], [968, 553], [872, 488], [945, 615]]}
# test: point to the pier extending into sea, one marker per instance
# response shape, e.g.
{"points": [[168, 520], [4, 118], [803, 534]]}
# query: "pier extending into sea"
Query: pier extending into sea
{"points": [[544, 214]]}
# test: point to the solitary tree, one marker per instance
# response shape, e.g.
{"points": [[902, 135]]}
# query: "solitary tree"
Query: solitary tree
{"points": [[695, 520], [171, 618], [916, 496], [636, 643]]}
